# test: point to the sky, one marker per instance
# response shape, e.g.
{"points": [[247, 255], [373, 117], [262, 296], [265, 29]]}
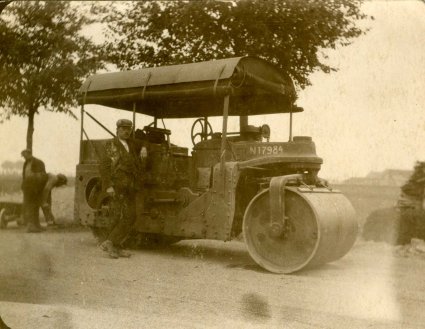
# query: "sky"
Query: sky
{"points": [[367, 116]]}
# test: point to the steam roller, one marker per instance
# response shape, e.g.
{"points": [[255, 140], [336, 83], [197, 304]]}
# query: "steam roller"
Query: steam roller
{"points": [[289, 228]]}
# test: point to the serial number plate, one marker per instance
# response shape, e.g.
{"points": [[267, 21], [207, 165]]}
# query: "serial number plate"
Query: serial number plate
{"points": [[265, 150]]}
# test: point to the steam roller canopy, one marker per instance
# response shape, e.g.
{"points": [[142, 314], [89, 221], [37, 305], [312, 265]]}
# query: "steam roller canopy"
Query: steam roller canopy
{"points": [[320, 227]]}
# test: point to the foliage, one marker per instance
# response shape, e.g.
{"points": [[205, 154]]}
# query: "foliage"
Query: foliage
{"points": [[12, 165], [3, 4], [292, 34], [43, 58], [414, 188]]}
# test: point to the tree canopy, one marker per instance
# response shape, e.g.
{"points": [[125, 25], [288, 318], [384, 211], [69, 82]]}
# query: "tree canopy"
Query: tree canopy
{"points": [[12, 165], [3, 4], [43, 58], [291, 34]]}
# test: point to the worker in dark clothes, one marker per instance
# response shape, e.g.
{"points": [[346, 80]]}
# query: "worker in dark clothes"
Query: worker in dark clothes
{"points": [[34, 178], [46, 196], [121, 173]]}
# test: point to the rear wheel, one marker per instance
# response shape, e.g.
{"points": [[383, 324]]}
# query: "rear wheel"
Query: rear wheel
{"points": [[320, 227], [135, 239], [100, 233]]}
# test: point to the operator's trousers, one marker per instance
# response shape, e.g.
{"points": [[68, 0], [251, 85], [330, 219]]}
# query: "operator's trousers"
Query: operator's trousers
{"points": [[31, 206], [47, 210], [124, 213], [31, 188], [48, 214]]}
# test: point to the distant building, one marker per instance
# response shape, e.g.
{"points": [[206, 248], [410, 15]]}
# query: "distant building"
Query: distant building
{"points": [[388, 177]]}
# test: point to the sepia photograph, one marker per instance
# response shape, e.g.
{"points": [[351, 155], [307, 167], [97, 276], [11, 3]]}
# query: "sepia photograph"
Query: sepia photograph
{"points": [[212, 164]]}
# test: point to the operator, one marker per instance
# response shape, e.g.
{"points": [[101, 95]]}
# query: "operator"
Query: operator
{"points": [[46, 196], [121, 173], [33, 179]]}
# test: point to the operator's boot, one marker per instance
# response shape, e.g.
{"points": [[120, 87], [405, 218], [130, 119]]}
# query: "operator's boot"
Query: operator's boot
{"points": [[33, 223], [48, 215], [52, 224], [38, 225], [108, 246], [32, 228], [123, 253]]}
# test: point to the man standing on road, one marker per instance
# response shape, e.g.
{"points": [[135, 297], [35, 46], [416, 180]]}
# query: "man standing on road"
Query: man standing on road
{"points": [[34, 178], [46, 196], [121, 174]]}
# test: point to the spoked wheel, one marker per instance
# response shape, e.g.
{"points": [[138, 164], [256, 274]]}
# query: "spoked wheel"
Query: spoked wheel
{"points": [[98, 199], [8, 215], [320, 227], [201, 128]]}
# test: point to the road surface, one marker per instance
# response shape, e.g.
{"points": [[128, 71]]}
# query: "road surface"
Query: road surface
{"points": [[61, 279]]}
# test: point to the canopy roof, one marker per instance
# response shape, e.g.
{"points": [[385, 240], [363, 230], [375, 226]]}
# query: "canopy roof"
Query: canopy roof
{"points": [[195, 90]]}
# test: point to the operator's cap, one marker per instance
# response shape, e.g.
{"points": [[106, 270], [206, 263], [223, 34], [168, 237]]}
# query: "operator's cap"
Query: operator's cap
{"points": [[62, 179], [27, 151], [124, 123]]}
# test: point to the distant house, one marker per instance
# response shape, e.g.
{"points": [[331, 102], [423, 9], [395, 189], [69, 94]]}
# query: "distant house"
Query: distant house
{"points": [[388, 177]]}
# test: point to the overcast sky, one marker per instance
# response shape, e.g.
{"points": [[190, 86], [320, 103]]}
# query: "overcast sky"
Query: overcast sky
{"points": [[368, 116]]}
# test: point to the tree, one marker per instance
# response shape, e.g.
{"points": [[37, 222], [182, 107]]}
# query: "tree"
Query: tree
{"points": [[3, 4], [291, 34], [43, 58], [9, 166]]}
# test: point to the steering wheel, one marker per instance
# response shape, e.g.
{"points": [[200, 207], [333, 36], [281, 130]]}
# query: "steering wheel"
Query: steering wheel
{"points": [[205, 127]]}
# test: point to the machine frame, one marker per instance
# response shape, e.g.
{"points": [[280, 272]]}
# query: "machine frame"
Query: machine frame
{"points": [[210, 193]]}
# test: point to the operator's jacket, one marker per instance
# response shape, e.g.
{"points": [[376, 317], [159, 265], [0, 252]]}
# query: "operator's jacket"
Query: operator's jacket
{"points": [[121, 169], [34, 179], [46, 194]]}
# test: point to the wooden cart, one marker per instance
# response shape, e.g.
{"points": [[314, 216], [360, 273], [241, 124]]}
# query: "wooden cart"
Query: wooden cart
{"points": [[10, 211]]}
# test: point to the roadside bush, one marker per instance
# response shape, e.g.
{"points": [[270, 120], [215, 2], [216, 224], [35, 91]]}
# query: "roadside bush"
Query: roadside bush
{"points": [[395, 227]]}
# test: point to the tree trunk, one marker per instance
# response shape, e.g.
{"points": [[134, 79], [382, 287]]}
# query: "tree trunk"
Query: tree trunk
{"points": [[30, 129]]}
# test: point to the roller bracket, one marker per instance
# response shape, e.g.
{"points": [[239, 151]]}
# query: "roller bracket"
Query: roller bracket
{"points": [[278, 218]]}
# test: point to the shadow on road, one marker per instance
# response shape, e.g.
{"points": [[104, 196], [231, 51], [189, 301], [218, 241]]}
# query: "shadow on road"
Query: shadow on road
{"points": [[232, 255]]}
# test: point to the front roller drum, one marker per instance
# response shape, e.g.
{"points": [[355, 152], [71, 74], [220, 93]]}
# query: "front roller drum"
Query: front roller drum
{"points": [[320, 226]]}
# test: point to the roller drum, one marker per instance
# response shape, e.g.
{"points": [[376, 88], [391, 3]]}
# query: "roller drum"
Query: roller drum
{"points": [[321, 227]]}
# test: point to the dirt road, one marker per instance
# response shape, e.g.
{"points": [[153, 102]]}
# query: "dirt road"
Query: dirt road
{"points": [[60, 279]]}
